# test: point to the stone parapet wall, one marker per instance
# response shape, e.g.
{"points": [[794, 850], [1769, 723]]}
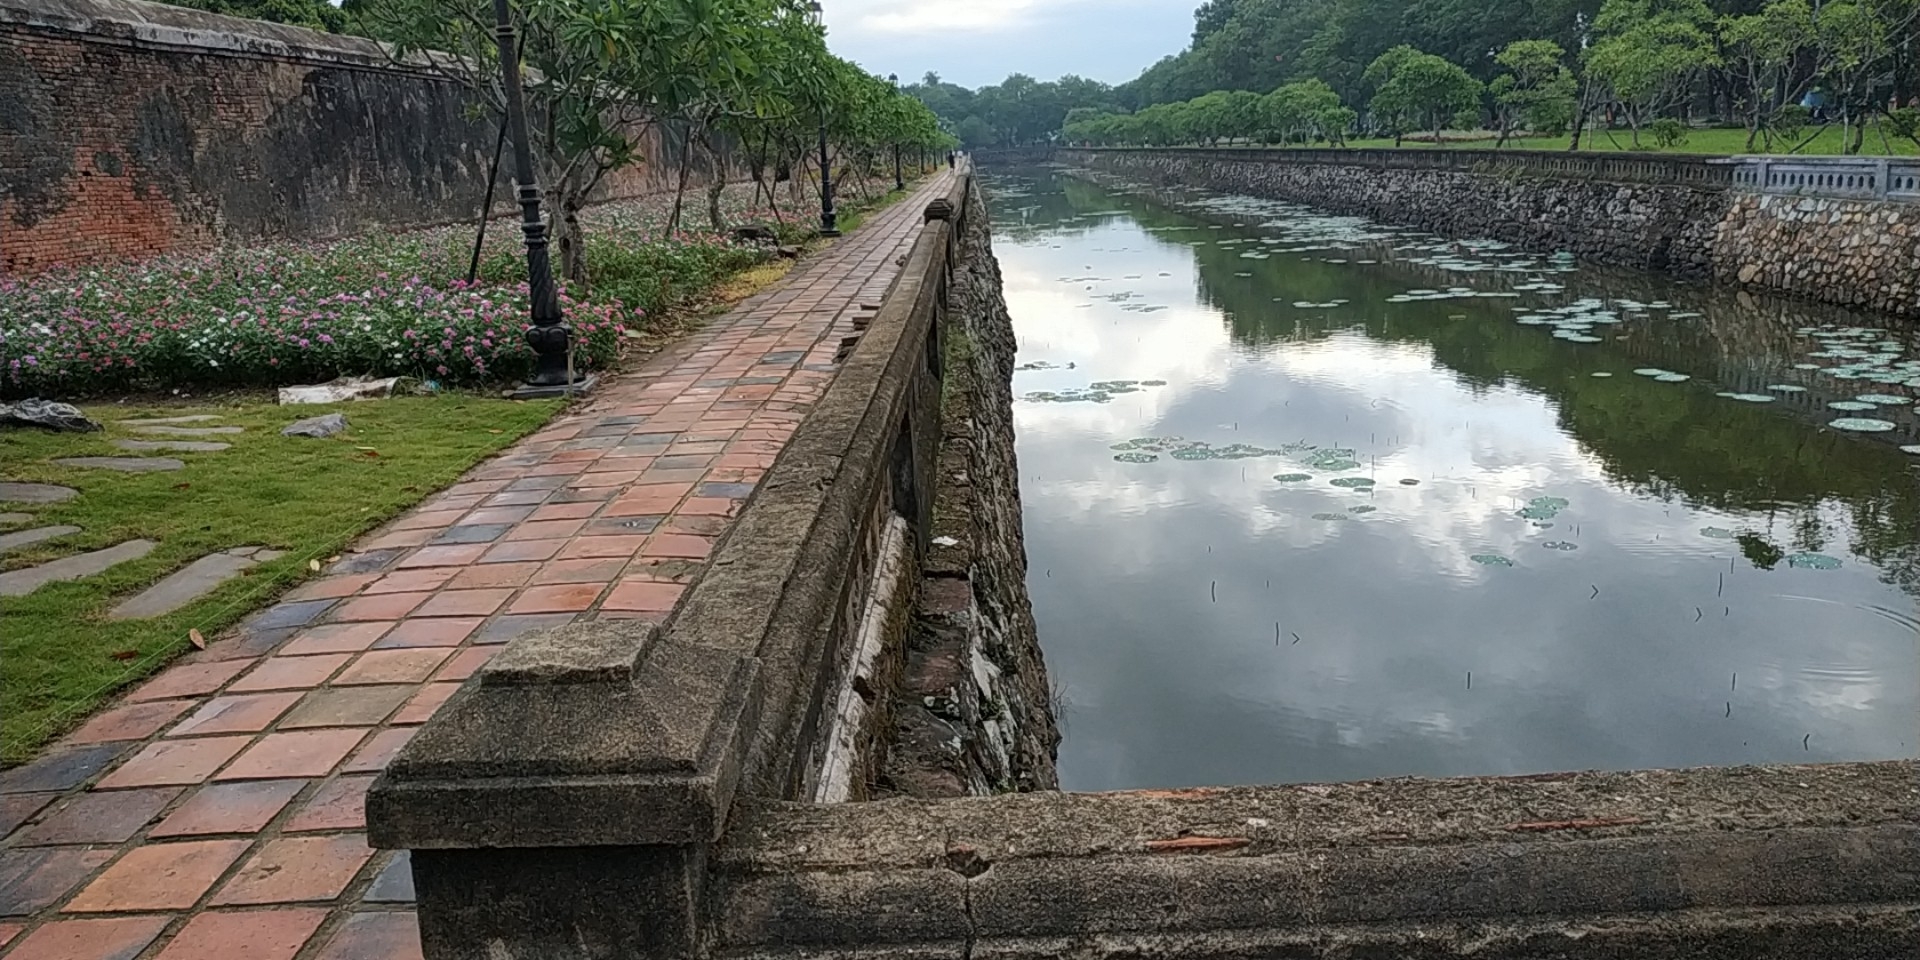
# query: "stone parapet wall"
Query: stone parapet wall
{"points": [[1665, 214], [131, 129], [1754, 863]]}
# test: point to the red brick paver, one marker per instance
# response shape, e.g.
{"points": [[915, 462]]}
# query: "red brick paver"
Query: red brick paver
{"points": [[219, 810]]}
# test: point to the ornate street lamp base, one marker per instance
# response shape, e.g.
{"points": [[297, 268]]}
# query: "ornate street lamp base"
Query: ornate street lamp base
{"points": [[541, 391]]}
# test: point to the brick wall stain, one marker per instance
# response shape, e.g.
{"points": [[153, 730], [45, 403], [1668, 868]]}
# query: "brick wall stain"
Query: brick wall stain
{"points": [[111, 150]]}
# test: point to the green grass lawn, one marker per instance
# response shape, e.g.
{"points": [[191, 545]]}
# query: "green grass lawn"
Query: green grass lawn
{"points": [[1708, 141], [59, 654]]}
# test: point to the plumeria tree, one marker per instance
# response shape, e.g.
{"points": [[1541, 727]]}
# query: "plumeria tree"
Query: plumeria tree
{"points": [[1647, 53], [1414, 90], [1536, 90], [598, 75], [1305, 110]]}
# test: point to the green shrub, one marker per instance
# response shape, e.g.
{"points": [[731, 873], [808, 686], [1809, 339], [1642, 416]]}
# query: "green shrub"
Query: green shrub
{"points": [[1668, 133]]}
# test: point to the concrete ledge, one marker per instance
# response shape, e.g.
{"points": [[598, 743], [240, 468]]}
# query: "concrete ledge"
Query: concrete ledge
{"points": [[1325, 870], [189, 30]]}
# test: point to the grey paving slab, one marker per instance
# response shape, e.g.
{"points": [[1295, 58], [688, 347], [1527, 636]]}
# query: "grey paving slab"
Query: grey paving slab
{"points": [[21, 538], [35, 492], [185, 431], [19, 583], [194, 418], [123, 464], [177, 446], [185, 585]]}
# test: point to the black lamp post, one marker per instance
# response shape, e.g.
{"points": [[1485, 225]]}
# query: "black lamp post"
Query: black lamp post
{"points": [[827, 216], [898, 184], [550, 336]]}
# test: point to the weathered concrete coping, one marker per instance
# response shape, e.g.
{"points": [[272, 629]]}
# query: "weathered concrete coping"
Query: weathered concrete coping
{"points": [[1680, 170], [196, 31], [1416, 867], [609, 734]]}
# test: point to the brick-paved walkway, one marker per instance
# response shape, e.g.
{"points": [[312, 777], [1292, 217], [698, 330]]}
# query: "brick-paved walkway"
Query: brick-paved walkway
{"points": [[215, 812]]}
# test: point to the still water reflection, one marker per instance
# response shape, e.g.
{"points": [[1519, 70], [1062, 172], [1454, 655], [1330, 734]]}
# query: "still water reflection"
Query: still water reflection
{"points": [[1559, 563]]}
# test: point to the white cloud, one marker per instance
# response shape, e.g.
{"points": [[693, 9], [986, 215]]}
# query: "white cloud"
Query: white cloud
{"points": [[975, 16]]}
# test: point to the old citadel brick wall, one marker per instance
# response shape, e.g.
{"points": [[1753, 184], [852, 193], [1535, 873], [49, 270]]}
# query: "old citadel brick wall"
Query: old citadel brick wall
{"points": [[129, 129]]}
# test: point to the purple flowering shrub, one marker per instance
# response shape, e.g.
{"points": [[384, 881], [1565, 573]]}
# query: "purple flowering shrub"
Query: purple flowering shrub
{"points": [[384, 305]]}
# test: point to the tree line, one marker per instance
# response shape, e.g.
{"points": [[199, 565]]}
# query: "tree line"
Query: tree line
{"points": [[1282, 71], [750, 79]]}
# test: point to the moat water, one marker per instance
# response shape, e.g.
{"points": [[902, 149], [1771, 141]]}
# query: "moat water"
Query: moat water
{"points": [[1309, 498]]}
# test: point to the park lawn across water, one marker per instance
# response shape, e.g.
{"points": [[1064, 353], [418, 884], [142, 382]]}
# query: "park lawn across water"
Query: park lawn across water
{"points": [[60, 656]]}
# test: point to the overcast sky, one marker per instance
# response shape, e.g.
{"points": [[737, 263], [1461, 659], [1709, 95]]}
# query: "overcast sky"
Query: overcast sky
{"points": [[977, 42]]}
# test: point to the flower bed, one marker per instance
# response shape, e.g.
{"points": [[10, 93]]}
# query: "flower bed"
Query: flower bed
{"points": [[394, 304]]}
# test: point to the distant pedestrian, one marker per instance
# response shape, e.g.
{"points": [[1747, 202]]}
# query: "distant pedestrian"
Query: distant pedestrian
{"points": [[949, 159]]}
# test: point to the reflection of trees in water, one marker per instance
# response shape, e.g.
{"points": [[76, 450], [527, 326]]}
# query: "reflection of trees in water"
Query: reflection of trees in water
{"points": [[1771, 462]]}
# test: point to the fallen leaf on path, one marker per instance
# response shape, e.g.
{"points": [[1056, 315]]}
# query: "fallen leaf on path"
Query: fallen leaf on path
{"points": [[313, 565], [199, 642], [1197, 844], [1536, 826], [124, 655]]}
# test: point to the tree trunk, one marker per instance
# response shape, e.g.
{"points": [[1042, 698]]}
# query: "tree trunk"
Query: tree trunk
{"points": [[717, 182], [680, 189], [571, 241]]}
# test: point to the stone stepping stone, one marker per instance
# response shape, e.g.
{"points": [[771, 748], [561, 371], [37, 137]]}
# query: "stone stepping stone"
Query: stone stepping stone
{"points": [[19, 583], [178, 446], [123, 464], [185, 431], [15, 517], [21, 538], [195, 418], [35, 492], [191, 582]]}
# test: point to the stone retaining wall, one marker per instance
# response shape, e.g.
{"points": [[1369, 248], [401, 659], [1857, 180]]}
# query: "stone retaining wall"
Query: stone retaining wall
{"points": [[1857, 253], [129, 129], [1674, 215], [972, 707]]}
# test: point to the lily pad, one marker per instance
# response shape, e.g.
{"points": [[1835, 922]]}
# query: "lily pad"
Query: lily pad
{"points": [[1813, 561], [1786, 387], [1913, 448], [1491, 560], [1363, 508], [1747, 397], [1351, 482], [1560, 545], [1331, 516], [1862, 424], [1602, 373], [1409, 482], [1850, 405], [1292, 477], [1673, 378], [1650, 371], [1881, 399], [1136, 457], [1717, 533]]}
